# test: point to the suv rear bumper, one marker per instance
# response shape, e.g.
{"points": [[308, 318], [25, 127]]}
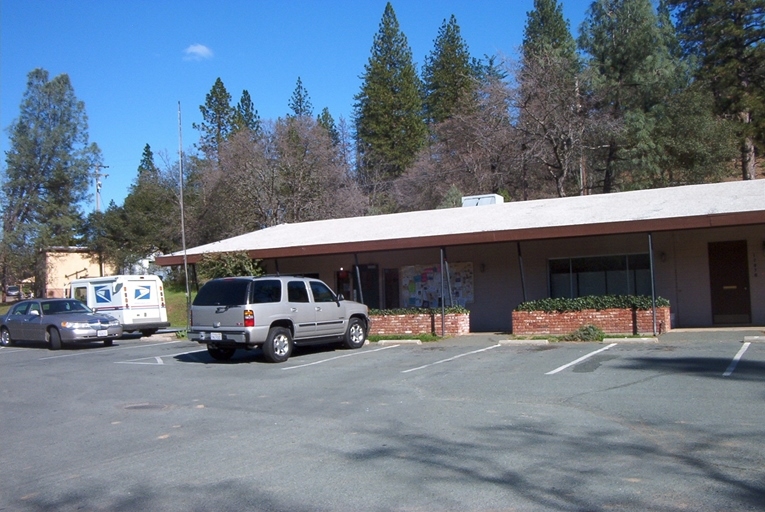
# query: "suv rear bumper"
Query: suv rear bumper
{"points": [[249, 337]]}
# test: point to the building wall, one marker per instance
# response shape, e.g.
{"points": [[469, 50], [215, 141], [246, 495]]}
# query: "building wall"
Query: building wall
{"points": [[680, 263], [64, 266]]}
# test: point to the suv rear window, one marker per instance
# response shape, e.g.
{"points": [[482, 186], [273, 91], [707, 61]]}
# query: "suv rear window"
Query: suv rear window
{"points": [[223, 292]]}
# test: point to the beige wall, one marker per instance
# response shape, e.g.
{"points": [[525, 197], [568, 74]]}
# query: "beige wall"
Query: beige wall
{"points": [[63, 267], [680, 263]]}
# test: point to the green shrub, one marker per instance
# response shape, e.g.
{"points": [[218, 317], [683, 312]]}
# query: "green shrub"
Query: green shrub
{"points": [[597, 302], [585, 333], [418, 311]]}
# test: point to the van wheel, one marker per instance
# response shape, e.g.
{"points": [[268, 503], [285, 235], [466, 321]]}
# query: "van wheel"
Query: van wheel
{"points": [[220, 354], [149, 332], [356, 335], [278, 345], [54, 339]]}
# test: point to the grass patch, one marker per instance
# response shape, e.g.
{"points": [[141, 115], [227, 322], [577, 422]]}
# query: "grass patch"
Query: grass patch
{"points": [[175, 302], [422, 337]]}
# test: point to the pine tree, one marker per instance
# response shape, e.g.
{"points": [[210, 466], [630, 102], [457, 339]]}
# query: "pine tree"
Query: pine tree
{"points": [[551, 122], [47, 175], [326, 120], [217, 120], [728, 38], [300, 102], [245, 115], [447, 74], [390, 129]]}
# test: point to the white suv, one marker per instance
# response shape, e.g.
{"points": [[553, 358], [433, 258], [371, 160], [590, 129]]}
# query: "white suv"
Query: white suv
{"points": [[274, 313]]}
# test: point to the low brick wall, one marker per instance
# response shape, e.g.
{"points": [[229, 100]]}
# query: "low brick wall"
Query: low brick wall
{"points": [[612, 321], [455, 324]]}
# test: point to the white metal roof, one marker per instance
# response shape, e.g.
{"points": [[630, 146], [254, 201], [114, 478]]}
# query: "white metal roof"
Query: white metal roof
{"points": [[693, 206]]}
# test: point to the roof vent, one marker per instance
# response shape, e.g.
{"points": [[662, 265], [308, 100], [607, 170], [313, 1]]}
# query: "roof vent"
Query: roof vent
{"points": [[482, 200]]}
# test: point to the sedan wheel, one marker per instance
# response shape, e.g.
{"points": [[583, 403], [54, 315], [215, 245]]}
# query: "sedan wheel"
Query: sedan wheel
{"points": [[54, 339], [5, 337]]}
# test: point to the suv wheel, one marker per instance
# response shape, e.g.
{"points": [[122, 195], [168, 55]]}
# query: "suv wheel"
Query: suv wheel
{"points": [[220, 354], [356, 335], [278, 345]]}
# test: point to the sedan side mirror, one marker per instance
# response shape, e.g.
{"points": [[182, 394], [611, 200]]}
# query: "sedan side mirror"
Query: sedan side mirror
{"points": [[34, 312]]}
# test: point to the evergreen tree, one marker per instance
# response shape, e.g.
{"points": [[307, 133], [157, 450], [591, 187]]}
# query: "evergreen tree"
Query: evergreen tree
{"points": [[447, 74], [728, 38], [147, 168], [217, 120], [551, 122], [47, 175], [326, 120], [390, 129], [245, 115], [300, 102], [632, 71], [546, 29]]}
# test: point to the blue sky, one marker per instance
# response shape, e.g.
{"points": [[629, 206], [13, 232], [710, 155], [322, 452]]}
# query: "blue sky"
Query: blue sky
{"points": [[132, 61]]}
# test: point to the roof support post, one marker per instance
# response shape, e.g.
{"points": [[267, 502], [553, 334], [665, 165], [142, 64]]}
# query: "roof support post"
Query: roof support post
{"points": [[653, 281], [523, 275], [443, 296], [358, 278]]}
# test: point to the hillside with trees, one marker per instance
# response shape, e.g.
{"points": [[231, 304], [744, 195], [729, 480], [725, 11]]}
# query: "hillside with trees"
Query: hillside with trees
{"points": [[646, 94]]}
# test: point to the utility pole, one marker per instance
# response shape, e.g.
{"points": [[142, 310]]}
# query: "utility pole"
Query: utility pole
{"points": [[98, 175]]}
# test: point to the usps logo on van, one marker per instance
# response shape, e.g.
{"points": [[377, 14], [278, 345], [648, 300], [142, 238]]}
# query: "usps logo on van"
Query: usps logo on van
{"points": [[103, 294], [142, 293]]}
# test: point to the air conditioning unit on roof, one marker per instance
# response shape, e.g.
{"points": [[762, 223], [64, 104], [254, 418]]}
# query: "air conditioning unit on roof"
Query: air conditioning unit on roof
{"points": [[482, 200]]}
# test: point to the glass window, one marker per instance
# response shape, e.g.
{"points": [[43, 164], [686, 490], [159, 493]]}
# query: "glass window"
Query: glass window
{"points": [[81, 293], [321, 292], [223, 292], [21, 309], [601, 275], [266, 291], [297, 291]]}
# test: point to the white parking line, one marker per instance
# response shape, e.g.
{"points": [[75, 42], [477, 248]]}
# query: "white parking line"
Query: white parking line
{"points": [[572, 363], [158, 359], [736, 359], [451, 358], [340, 357], [113, 349]]}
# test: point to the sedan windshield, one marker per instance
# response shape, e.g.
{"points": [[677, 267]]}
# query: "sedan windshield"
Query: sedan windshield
{"points": [[64, 306]]}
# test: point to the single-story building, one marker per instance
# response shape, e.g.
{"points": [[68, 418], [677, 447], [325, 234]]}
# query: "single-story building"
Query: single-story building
{"points": [[64, 264], [702, 247]]}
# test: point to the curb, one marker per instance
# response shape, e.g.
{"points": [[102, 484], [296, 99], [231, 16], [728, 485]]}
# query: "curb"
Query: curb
{"points": [[754, 339], [523, 342], [399, 342]]}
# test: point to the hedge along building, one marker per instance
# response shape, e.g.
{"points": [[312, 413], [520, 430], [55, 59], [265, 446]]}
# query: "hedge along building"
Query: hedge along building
{"points": [[700, 246]]}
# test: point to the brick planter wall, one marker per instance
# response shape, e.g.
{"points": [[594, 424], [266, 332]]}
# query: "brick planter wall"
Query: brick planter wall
{"points": [[612, 321], [456, 324]]}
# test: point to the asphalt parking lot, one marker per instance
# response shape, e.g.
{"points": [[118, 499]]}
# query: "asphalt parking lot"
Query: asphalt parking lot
{"points": [[469, 424]]}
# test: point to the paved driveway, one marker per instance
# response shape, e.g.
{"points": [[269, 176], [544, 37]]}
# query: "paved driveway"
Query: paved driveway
{"points": [[464, 424]]}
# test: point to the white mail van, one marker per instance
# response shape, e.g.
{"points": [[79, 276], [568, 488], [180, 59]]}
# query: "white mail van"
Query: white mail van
{"points": [[138, 302]]}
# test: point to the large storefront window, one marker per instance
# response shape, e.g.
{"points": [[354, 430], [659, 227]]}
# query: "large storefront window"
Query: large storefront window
{"points": [[603, 275]]}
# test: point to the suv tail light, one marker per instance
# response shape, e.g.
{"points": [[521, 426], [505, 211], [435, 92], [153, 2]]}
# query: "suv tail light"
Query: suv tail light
{"points": [[249, 318]]}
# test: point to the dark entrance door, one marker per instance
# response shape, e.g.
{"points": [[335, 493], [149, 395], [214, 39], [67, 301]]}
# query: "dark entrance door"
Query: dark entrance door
{"points": [[370, 285], [729, 279]]}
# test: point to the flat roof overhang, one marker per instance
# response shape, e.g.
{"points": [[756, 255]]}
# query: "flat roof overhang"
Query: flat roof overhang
{"points": [[489, 237]]}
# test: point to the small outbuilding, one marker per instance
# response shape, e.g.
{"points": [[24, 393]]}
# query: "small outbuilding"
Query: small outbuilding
{"points": [[702, 247]]}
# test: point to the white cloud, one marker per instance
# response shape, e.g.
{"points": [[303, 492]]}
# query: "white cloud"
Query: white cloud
{"points": [[197, 52]]}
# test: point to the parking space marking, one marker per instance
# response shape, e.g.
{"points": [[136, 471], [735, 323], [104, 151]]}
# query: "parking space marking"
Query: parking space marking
{"points": [[736, 359], [572, 363], [340, 357], [158, 359], [451, 358], [111, 349]]}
